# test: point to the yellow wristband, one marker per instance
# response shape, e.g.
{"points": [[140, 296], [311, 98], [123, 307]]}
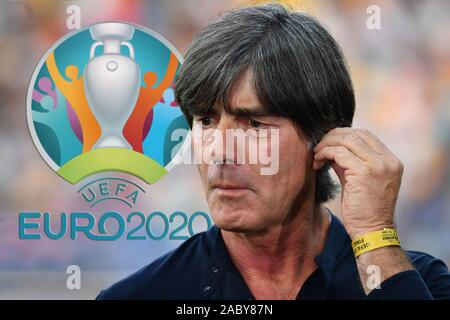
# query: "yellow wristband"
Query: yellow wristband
{"points": [[374, 240]]}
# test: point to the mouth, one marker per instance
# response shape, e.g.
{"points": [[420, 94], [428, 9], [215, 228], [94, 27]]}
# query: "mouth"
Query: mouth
{"points": [[229, 190]]}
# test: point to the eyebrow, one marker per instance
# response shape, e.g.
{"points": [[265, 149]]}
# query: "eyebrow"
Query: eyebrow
{"points": [[241, 112], [255, 111]]}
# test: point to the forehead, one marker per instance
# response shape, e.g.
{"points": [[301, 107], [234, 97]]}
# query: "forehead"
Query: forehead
{"points": [[241, 101], [242, 93]]}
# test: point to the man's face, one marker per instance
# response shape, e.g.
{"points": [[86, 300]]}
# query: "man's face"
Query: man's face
{"points": [[240, 198]]}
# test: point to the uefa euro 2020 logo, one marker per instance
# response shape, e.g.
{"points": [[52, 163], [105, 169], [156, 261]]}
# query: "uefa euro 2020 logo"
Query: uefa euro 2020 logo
{"points": [[102, 99]]}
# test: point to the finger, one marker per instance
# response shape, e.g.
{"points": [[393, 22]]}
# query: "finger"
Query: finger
{"points": [[368, 137], [341, 158], [373, 142], [339, 154], [350, 140], [340, 173]]}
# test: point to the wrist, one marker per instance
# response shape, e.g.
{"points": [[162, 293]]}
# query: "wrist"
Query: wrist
{"points": [[356, 233], [387, 237], [390, 261]]}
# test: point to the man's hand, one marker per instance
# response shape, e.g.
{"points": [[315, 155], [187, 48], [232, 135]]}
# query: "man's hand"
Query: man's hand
{"points": [[370, 176]]}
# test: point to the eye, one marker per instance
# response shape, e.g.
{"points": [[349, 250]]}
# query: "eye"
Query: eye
{"points": [[254, 123], [206, 121]]}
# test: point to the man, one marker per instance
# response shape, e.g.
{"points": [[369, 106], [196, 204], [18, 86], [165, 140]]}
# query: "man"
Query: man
{"points": [[265, 67]]}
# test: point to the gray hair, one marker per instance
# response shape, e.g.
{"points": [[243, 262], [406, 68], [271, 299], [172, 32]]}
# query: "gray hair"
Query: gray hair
{"points": [[298, 69]]}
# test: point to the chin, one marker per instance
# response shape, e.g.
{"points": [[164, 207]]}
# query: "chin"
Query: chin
{"points": [[235, 220]]}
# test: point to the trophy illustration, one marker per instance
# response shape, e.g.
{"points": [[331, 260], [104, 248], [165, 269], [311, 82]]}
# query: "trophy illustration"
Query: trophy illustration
{"points": [[112, 82]]}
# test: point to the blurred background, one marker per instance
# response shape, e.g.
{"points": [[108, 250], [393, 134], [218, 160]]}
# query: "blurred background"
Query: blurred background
{"points": [[401, 74]]}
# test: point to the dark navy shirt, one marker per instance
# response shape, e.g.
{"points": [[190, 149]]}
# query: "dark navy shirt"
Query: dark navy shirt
{"points": [[201, 268]]}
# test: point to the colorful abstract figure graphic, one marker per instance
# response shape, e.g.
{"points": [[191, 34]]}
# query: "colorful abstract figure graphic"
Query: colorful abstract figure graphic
{"points": [[102, 99]]}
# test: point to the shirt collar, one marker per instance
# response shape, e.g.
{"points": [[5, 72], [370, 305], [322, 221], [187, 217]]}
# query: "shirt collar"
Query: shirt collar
{"points": [[335, 242], [219, 264]]}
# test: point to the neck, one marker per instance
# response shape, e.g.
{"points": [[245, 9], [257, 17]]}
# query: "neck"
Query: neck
{"points": [[282, 256]]}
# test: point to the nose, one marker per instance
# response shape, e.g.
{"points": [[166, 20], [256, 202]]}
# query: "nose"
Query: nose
{"points": [[221, 145]]}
